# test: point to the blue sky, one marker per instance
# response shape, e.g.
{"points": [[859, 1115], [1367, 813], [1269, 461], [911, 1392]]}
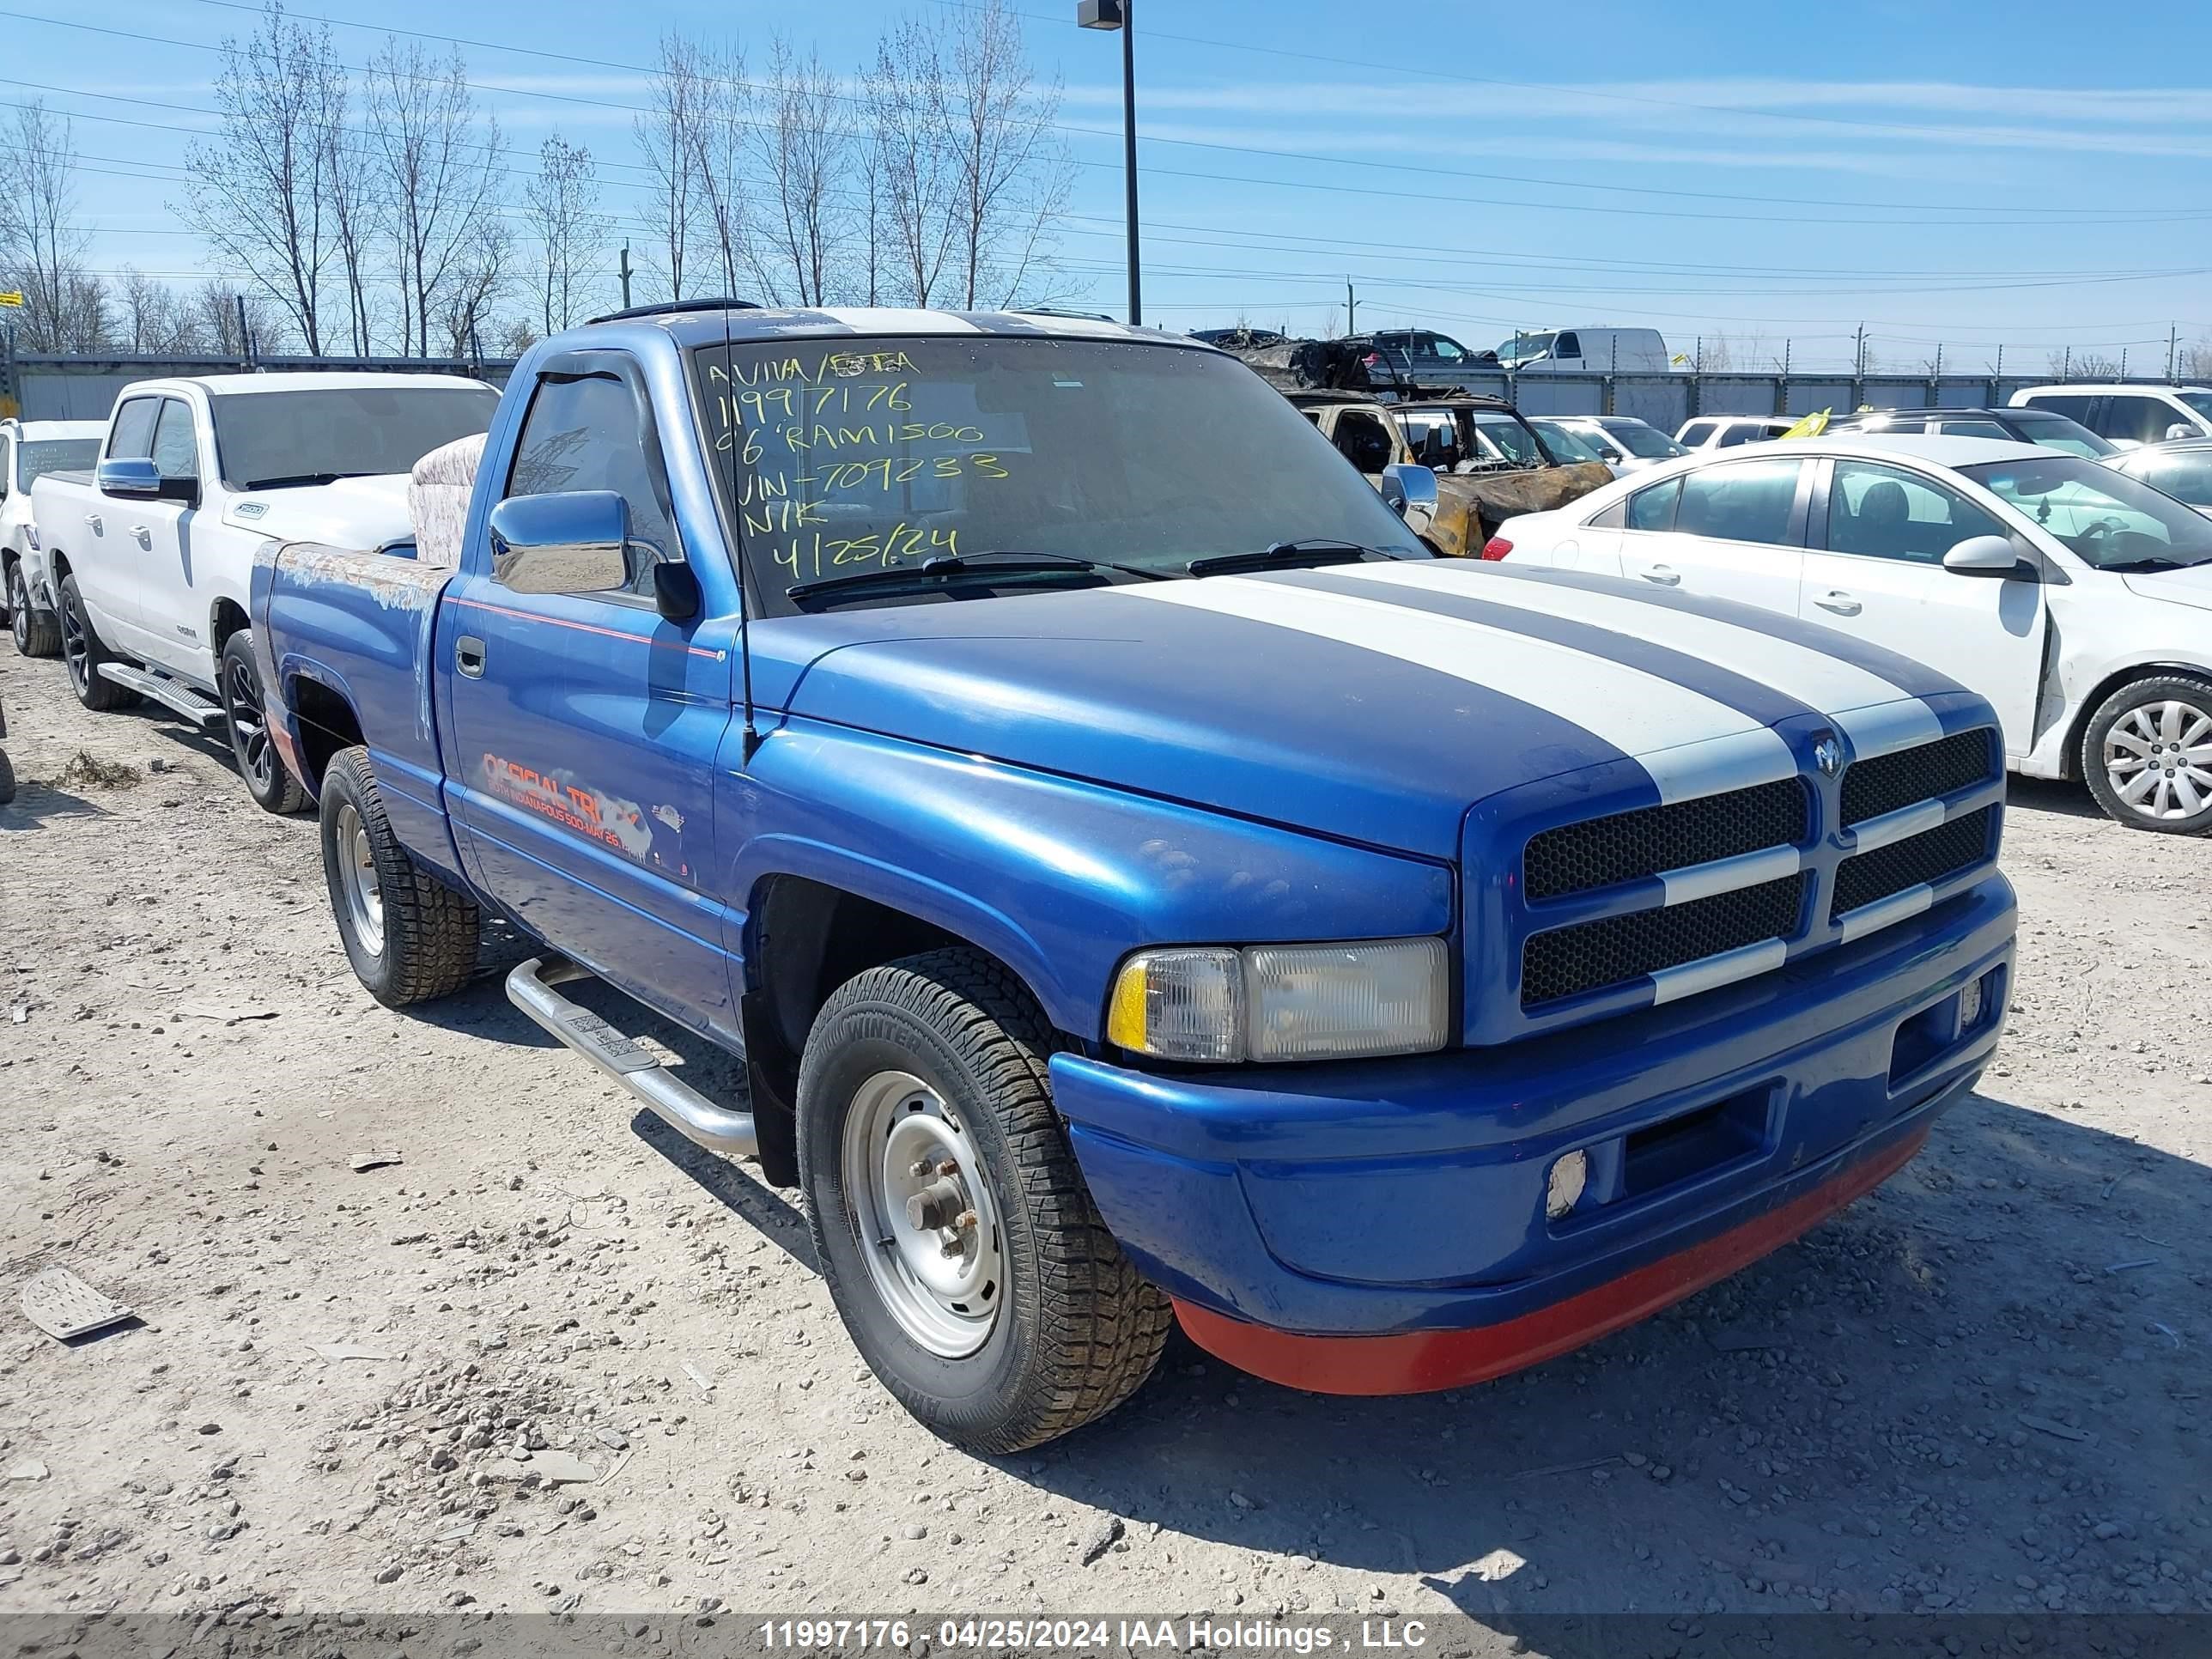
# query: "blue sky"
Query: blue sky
{"points": [[1955, 171]]}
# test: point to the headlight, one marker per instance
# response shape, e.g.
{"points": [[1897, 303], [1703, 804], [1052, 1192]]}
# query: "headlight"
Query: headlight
{"points": [[1276, 1002]]}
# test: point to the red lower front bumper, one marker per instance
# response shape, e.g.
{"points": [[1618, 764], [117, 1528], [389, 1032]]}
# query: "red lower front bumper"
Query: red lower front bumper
{"points": [[1419, 1362]]}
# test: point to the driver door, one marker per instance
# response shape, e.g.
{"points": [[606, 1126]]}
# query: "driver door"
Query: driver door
{"points": [[1874, 570]]}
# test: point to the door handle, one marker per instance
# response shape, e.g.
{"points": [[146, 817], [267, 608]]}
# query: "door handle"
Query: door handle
{"points": [[145, 536], [1841, 603], [1665, 576], [469, 656], [92, 519]]}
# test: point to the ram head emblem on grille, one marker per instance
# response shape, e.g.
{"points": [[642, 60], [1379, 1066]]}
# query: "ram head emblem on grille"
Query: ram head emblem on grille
{"points": [[1829, 753]]}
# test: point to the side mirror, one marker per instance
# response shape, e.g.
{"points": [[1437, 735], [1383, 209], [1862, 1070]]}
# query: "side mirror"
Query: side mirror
{"points": [[139, 478], [2181, 430], [570, 543], [1983, 556], [1410, 491]]}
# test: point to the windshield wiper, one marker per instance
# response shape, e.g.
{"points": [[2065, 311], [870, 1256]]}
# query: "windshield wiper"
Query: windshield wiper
{"points": [[2150, 563], [294, 479], [1281, 552], [955, 564]]}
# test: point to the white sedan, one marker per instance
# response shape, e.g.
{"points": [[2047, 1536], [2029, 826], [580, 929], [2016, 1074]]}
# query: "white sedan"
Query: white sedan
{"points": [[2077, 598]]}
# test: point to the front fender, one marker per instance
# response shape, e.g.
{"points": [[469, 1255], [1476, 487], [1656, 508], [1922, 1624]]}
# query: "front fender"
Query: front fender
{"points": [[1058, 878]]}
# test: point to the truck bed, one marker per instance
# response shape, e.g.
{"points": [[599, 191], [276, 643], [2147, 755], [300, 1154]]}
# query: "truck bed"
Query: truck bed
{"points": [[359, 625]]}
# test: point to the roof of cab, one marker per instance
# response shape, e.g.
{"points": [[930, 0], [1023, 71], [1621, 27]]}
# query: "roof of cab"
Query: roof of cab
{"points": [[230, 385], [751, 326]]}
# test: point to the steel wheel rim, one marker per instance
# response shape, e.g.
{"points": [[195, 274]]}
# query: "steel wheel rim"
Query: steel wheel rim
{"points": [[249, 725], [19, 608], [76, 649], [947, 1304], [364, 896], [2157, 759]]}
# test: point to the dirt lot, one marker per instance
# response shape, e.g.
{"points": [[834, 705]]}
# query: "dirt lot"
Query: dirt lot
{"points": [[1979, 1389]]}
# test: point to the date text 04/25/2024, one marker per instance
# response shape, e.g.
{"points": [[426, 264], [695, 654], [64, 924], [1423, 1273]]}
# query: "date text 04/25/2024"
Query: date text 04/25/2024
{"points": [[1075, 1634]]}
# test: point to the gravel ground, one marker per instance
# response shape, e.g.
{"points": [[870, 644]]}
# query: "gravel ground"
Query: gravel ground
{"points": [[1977, 1389]]}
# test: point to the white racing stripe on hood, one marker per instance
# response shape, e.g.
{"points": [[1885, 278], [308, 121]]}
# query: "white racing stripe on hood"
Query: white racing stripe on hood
{"points": [[1691, 745], [1876, 715]]}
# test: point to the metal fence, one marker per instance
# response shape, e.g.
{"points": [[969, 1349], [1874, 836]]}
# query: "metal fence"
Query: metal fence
{"points": [[84, 388]]}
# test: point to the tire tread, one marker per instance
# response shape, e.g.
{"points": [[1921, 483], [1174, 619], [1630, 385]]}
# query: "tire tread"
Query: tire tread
{"points": [[431, 933]]}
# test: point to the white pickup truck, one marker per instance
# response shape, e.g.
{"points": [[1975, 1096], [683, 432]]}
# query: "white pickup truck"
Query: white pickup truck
{"points": [[29, 449], [151, 554]]}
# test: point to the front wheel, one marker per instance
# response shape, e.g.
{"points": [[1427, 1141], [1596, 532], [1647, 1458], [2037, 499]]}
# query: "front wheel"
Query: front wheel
{"points": [[35, 635], [409, 936], [2147, 754], [951, 1221], [245, 707], [7, 778], [84, 653]]}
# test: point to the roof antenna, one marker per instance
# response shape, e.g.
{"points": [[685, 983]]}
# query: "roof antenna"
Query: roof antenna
{"points": [[749, 738]]}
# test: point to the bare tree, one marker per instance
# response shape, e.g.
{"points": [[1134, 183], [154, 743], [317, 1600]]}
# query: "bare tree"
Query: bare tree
{"points": [[213, 309], [668, 136], [149, 317], [1014, 174], [258, 190], [911, 157], [801, 145], [477, 275], [561, 206], [2083, 364], [41, 245], [440, 182], [719, 133], [356, 205]]}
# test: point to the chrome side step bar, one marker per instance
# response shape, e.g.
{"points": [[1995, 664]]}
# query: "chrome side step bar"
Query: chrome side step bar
{"points": [[529, 987], [194, 704]]}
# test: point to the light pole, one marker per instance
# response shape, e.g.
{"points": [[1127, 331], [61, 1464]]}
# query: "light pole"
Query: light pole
{"points": [[1115, 15]]}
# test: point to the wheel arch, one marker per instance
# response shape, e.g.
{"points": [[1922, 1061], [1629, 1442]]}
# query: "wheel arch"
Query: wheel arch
{"points": [[226, 617], [321, 721], [2071, 755], [805, 936]]}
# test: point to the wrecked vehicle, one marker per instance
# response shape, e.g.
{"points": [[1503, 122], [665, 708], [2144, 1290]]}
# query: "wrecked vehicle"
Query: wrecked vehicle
{"points": [[1142, 883], [1490, 463]]}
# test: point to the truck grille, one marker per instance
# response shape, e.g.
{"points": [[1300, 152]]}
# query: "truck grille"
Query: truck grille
{"points": [[1577, 858], [1589, 956], [1927, 772], [1927, 857]]}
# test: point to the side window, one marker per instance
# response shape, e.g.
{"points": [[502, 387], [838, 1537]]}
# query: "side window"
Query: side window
{"points": [[1433, 439], [1361, 440], [2129, 415], [1566, 345], [7, 467], [132, 436], [1447, 351], [1886, 512], [176, 452], [1695, 434], [1972, 430], [584, 434], [2073, 408], [1751, 502], [2186, 476], [1654, 508], [1612, 518]]}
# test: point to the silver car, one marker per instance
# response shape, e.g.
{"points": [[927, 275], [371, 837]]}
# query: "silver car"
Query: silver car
{"points": [[1623, 442], [2182, 469]]}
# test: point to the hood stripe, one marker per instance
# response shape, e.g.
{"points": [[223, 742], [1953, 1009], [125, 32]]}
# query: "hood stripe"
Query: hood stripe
{"points": [[1756, 699], [1689, 742], [1861, 704]]}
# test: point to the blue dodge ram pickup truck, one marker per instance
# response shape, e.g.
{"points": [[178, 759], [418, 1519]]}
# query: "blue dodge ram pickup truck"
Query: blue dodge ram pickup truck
{"points": [[1142, 883]]}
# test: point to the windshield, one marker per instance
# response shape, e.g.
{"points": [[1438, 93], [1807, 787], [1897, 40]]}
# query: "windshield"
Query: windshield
{"points": [[1525, 349], [2183, 474], [2107, 519], [40, 456], [2057, 432], [1647, 441], [265, 438], [1566, 444], [1514, 440], [882, 454]]}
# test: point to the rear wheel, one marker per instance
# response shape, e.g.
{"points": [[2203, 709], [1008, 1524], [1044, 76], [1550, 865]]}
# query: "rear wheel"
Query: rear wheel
{"points": [[35, 635], [953, 1225], [409, 937], [7, 778], [2147, 754], [84, 653], [243, 706]]}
